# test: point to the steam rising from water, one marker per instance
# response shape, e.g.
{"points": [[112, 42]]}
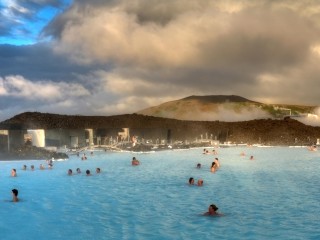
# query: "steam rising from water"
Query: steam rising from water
{"points": [[221, 114], [311, 119]]}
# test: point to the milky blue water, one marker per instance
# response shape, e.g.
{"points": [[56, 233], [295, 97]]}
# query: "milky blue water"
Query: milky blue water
{"points": [[275, 196]]}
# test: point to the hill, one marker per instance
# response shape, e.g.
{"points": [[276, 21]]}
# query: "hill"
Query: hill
{"points": [[230, 108], [265, 131]]}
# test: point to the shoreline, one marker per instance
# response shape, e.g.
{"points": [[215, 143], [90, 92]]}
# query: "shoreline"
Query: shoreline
{"points": [[34, 153]]}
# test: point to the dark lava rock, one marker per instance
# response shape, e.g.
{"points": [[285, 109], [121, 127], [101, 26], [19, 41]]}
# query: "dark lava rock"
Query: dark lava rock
{"points": [[31, 153]]}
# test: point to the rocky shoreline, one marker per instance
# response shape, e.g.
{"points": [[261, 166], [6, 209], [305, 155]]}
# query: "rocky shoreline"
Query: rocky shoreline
{"points": [[32, 153]]}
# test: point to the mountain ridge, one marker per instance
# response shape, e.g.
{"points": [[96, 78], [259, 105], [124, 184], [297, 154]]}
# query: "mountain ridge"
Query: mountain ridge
{"points": [[218, 98], [223, 108]]}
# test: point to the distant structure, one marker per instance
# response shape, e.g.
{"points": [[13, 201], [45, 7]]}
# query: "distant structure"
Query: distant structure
{"points": [[55, 131], [36, 137], [125, 134]]}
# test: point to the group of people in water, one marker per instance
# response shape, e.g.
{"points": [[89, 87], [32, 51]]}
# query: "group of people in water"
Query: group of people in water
{"points": [[199, 182], [78, 171], [32, 168], [43, 167], [243, 154], [84, 156], [212, 209], [13, 173], [215, 165]]}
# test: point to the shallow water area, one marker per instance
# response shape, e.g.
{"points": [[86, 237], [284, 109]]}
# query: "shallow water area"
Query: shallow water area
{"points": [[276, 195]]}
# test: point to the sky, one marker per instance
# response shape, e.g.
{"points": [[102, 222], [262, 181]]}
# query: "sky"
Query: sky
{"points": [[107, 57]]}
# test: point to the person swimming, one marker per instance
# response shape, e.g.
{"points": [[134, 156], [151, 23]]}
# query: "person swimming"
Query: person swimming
{"points": [[88, 173], [135, 162], [50, 161], [15, 195], [217, 163], [98, 170], [191, 181], [199, 165], [78, 170], [13, 172], [213, 167], [200, 182], [69, 172], [212, 211]]}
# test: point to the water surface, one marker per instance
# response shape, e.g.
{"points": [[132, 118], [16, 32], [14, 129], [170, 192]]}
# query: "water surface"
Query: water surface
{"points": [[274, 196]]}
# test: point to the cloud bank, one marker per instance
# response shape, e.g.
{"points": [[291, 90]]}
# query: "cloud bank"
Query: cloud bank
{"points": [[128, 55]]}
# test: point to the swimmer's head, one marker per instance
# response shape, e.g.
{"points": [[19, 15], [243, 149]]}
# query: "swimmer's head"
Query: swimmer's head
{"points": [[191, 180], [15, 192], [214, 207]]}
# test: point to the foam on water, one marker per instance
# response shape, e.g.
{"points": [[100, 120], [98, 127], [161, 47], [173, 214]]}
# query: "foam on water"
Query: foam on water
{"points": [[274, 196]]}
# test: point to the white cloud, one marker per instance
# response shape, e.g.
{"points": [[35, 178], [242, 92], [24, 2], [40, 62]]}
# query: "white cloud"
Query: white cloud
{"points": [[19, 87]]}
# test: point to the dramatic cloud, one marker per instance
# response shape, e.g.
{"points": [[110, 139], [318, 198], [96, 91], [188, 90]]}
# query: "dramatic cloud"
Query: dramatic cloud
{"points": [[131, 54], [199, 44]]}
